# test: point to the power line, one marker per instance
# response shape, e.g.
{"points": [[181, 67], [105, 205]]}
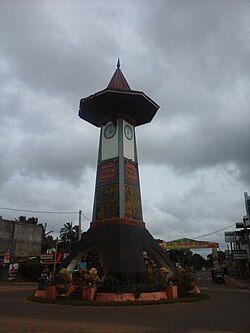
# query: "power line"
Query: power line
{"points": [[77, 212], [214, 232], [85, 216], [41, 211], [37, 211]]}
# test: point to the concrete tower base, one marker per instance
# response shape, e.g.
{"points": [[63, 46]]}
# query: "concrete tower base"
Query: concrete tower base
{"points": [[120, 248]]}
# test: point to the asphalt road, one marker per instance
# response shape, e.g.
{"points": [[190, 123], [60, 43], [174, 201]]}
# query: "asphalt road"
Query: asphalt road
{"points": [[227, 310]]}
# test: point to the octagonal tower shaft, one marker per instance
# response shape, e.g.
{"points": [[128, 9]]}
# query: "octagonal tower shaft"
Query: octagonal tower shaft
{"points": [[117, 191]]}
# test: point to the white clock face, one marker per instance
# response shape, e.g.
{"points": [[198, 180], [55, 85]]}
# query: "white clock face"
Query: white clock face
{"points": [[128, 132], [109, 131]]}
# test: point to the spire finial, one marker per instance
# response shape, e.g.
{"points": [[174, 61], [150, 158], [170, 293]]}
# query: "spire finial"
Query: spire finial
{"points": [[118, 63]]}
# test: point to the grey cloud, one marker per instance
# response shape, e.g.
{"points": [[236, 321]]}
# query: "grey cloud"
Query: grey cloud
{"points": [[52, 55], [192, 58]]}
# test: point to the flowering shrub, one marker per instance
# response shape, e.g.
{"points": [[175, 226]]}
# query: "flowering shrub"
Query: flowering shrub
{"points": [[184, 280], [64, 276], [159, 276], [94, 278], [89, 278]]}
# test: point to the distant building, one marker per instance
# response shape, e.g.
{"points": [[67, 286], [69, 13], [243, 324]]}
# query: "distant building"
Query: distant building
{"points": [[238, 254], [20, 239]]}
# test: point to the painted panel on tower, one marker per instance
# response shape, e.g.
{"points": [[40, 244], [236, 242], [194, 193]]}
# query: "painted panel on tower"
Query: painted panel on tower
{"points": [[133, 209], [131, 173], [128, 140], [109, 141], [107, 172], [107, 202]]}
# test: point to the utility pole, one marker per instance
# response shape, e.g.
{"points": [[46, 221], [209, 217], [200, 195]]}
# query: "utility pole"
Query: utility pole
{"points": [[80, 226], [245, 219], [54, 267]]}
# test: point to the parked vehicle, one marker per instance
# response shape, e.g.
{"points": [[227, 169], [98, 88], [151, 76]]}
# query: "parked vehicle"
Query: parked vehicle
{"points": [[219, 278]]}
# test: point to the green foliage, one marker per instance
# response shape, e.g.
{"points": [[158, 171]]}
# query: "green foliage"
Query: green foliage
{"points": [[69, 235], [31, 269], [48, 242], [183, 257], [30, 220], [108, 284], [112, 285], [93, 261], [51, 282], [85, 278], [198, 262], [68, 232], [158, 276], [89, 277], [184, 280], [62, 288], [80, 302], [64, 277]]}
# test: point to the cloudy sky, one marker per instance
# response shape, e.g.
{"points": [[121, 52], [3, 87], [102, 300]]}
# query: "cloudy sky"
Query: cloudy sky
{"points": [[191, 56]]}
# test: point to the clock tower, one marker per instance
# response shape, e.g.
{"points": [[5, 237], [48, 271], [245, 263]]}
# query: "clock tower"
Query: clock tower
{"points": [[117, 230]]}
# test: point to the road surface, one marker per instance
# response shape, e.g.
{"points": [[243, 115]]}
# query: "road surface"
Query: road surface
{"points": [[227, 310]]}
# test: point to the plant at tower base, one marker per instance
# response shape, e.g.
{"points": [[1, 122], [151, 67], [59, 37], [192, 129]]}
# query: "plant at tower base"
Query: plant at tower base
{"points": [[94, 278], [158, 276], [184, 280], [89, 278], [63, 280], [112, 285]]}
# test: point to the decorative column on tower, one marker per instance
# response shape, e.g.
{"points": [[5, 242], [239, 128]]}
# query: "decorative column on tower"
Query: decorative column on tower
{"points": [[117, 231], [117, 192]]}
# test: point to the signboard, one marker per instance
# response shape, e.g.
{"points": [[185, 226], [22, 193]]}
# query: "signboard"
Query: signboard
{"points": [[230, 237], [186, 243], [47, 256], [239, 224], [239, 254], [59, 257]]}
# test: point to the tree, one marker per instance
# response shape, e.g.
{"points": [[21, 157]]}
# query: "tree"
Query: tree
{"points": [[181, 256], [21, 219], [69, 234], [30, 269], [48, 242], [31, 220], [198, 262], [221, 258]]}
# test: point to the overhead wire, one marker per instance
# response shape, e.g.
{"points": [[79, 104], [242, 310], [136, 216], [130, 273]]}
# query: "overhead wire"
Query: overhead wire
{"points": [[83, 215], [214, 232], [42, 211]]}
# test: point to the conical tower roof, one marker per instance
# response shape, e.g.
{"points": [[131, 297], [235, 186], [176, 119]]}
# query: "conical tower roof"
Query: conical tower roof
{"points": [[118, 100], [118, 81]]}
